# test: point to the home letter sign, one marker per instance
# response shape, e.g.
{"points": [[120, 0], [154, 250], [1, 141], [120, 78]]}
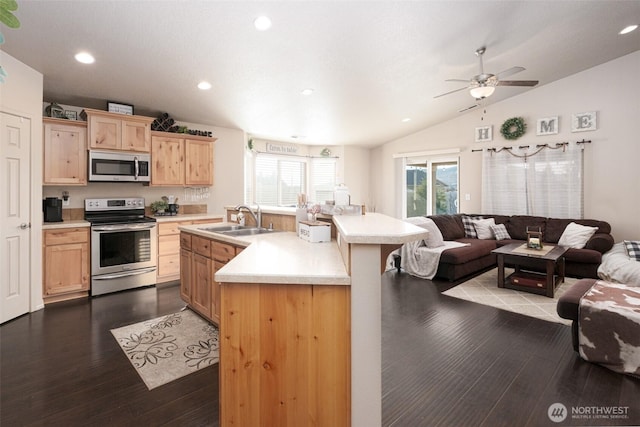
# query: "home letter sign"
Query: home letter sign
{"points": [[484, 134], [547, 126], [582, 122]]}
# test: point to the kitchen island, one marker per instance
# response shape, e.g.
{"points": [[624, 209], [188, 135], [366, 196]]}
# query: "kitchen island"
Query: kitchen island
{"points": [[300, 324]]}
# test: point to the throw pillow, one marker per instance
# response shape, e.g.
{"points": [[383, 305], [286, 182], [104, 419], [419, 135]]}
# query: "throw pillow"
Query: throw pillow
{"points": [[434, 238], [576, 235], [483, 228], [500, 231], [633, 249], [469, 229]]}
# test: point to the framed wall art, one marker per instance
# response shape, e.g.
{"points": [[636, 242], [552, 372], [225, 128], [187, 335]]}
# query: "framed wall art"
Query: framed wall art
{"points": [[582, 122], [547, 126], [484, 133], [115, 107]]}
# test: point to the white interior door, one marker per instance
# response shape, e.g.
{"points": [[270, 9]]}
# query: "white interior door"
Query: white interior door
{"points": [[15, 226]]}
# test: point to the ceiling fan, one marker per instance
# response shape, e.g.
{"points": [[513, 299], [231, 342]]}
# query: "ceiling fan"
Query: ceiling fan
{"points": [[482, 85]]}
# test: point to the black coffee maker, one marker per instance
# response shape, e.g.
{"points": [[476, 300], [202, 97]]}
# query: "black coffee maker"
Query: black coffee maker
{"points": [[52, 208]]}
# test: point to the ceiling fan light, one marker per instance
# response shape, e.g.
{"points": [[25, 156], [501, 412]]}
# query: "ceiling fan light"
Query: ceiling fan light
{"points": [[480, 92]]}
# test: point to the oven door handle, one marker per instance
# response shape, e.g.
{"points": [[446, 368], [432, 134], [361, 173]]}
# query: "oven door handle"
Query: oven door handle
{"points": [[124, 274], [127, 227]]}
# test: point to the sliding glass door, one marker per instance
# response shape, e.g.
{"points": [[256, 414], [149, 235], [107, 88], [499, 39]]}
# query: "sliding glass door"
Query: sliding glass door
{"points": [[431, 187]]}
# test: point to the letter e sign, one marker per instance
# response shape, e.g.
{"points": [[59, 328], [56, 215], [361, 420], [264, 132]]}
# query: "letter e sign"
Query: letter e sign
{"points": [[582, 122]]}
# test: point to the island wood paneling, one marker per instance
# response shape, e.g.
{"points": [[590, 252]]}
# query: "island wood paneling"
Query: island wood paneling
{"points": [[285, 355]]}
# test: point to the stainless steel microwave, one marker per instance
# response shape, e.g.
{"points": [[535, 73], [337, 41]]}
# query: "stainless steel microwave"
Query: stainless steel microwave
{"points": [[122, 167]]}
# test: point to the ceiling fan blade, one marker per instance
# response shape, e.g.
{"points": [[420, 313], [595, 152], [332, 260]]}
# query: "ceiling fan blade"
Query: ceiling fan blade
{"points": [[457, 80], [510, 72], [453, 91], [517, 82], [468, 108]]}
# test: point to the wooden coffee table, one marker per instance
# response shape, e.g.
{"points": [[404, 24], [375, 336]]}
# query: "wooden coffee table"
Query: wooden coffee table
{"points": [[550, 260]]}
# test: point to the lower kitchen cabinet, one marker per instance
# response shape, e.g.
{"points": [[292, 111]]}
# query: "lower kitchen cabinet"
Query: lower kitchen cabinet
{"points": [[169, 248], [200, 258], [66, 261]]}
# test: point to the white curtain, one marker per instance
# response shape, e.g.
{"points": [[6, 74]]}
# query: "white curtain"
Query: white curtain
{"points": [[541, 181]]}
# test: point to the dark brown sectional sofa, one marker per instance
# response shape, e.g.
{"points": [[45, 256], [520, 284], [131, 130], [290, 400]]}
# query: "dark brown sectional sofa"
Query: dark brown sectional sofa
{"points": [[460, 262]]}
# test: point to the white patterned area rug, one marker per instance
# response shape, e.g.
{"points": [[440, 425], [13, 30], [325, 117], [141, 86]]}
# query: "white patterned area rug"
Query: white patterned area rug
{"points": [[483, 289], [169, 347]]}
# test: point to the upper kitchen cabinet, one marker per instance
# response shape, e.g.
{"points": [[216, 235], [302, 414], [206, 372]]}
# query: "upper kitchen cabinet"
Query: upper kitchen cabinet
{"points": [[179, 159], [65, 152], [114, 131], [199, 162]]}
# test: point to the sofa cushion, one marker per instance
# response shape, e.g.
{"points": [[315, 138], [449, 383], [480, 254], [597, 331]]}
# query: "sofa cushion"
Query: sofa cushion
{"points": [[500, 232], [633, 249], [483, 228], [556, 226], [584, 256], [449, 225], [469, 227], [476, 249], [576, 235], [517, 226]]}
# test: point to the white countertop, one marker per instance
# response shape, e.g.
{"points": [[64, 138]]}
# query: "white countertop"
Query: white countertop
{"points": [[375, 228], [188, 217], [65, 224], [279, 258]]}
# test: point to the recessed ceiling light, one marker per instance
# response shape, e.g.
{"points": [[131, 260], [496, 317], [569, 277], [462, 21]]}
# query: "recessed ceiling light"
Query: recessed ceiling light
{"points": [[307, 92], [406, 119], [262, 23], [204, 85], [628, 29], [85, 58]]}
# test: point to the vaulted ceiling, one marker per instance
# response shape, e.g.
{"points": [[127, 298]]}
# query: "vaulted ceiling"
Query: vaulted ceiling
{"points": [[370, 64]]}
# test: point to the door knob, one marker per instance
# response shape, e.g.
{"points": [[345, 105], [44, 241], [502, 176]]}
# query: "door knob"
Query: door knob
{"points": [[24, 226]]}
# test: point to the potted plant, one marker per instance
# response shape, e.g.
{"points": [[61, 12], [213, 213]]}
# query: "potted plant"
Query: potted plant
{"points": [[159, 207]]}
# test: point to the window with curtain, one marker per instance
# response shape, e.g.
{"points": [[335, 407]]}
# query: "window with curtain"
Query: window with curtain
{"points": [[279, 179], [541, 181]]}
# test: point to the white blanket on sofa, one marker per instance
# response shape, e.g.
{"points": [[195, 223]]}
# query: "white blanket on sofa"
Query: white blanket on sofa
{"points": [[617, 267], [419, 260]]}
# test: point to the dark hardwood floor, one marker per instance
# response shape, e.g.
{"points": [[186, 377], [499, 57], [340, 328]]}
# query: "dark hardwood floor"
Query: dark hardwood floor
{"points": [[446, 362]]}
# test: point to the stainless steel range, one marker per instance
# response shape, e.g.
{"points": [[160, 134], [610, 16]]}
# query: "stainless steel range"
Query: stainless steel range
{"points": [[123, 244]]}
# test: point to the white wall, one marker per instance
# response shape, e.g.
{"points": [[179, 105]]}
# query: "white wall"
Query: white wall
{"points": [[21, 94], [611, 184]]}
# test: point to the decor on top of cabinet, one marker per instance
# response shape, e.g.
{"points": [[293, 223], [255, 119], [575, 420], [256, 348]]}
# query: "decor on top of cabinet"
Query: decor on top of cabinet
{"points": [[54, 110], [164, 123]]}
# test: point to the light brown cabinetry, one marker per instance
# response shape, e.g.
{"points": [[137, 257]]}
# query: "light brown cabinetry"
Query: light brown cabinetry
{"points": [[206, 256], [169, 257], [181, 160], [121, 132], [66, 272], [284, 355], [65, 152]]}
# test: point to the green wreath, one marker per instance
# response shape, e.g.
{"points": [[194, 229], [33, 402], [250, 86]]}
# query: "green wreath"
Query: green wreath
{"points": [[513, 128]]}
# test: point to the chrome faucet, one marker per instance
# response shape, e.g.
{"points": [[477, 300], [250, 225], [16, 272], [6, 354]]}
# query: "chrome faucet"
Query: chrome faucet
{"points": [[257, 217]]}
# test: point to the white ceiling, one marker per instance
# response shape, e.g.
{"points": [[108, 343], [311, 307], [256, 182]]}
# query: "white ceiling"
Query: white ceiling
{"points": [[371, 64]]}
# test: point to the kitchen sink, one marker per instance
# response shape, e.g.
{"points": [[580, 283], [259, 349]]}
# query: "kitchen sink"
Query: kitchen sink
{"points": [[224, 228], [249, 231]]}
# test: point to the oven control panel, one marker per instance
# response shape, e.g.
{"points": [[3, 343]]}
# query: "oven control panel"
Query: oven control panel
{"points": [[114, 204]]}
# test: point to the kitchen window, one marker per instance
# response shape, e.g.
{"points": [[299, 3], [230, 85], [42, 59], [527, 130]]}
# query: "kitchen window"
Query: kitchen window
{"points": [[278, 179]]}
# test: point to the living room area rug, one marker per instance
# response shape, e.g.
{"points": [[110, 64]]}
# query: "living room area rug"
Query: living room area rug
{"points": [[483, 289], [169, 347]]}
